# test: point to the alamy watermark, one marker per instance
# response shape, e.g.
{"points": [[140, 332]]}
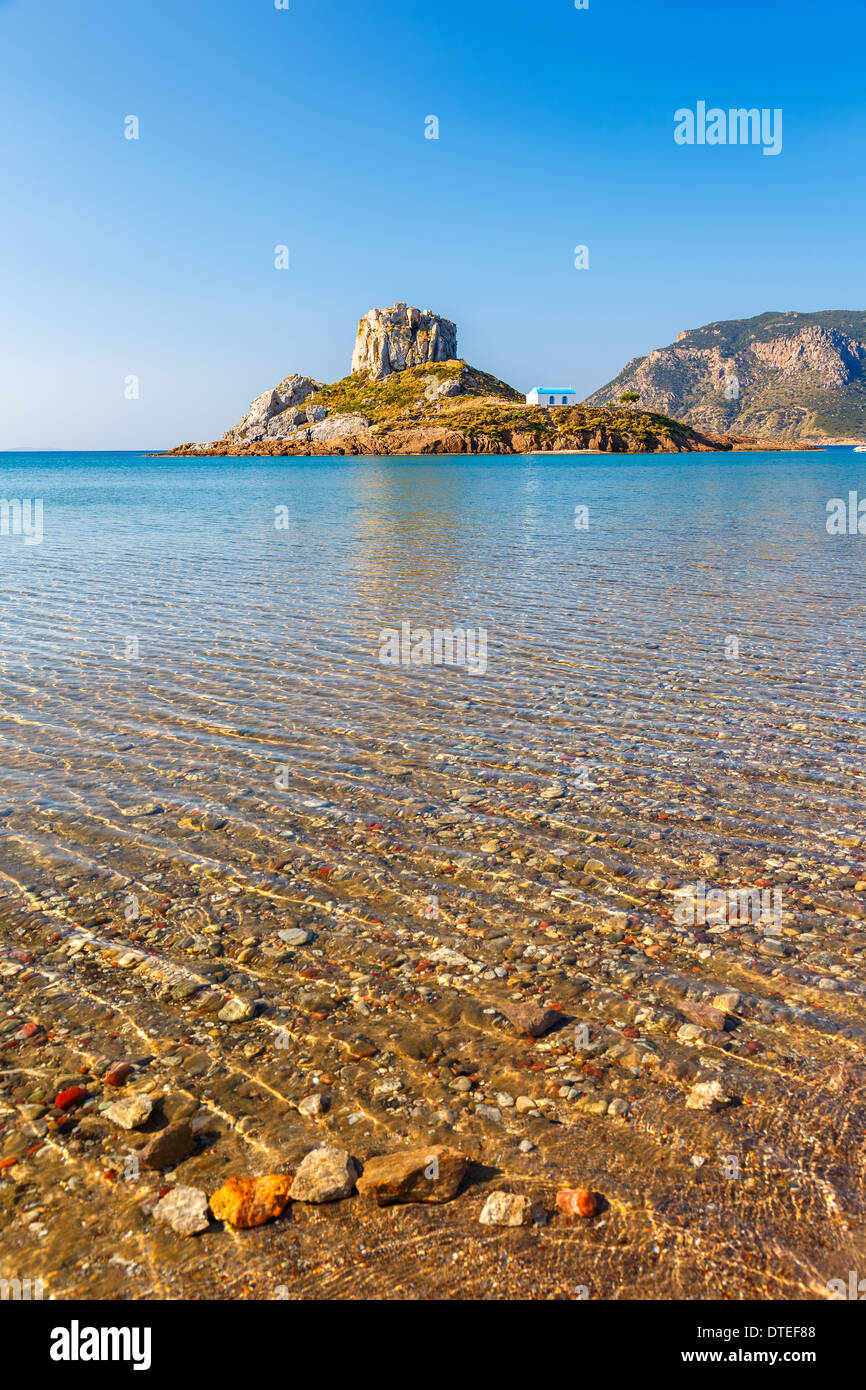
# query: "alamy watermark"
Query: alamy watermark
{"points": [[696, 905], [855, 1289], [77, 1343], [740, 126], [438, 646], [22, 516], [21, 1290], [846, 518]]}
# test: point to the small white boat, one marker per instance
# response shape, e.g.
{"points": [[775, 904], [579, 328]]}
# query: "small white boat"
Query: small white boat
{"points": [[860, 448]]}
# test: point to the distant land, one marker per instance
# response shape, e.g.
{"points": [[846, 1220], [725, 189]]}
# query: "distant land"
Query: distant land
{"points": [[409, 393], [791, 377]]}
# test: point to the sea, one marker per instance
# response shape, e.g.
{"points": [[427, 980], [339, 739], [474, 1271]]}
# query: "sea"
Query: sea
{"points": [[361, 752]]}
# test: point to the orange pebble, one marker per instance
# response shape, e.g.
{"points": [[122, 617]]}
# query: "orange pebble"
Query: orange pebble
{"points": [[577, 1201]]}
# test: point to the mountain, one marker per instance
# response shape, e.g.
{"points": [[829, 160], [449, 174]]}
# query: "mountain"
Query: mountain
{"points": [[409, 393], [790, 377]]}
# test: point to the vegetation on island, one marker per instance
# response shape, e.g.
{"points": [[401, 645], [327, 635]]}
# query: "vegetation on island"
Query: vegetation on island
{"points": [[490, 414], [454, 408]]}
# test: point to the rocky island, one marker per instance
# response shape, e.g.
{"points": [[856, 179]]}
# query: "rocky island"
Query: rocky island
{"points": [[409, 393]]}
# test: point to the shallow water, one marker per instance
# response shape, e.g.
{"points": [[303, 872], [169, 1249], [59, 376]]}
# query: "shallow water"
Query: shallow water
{"points": [[192, 691]]}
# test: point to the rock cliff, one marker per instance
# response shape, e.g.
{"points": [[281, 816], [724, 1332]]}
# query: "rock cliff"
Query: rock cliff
{"points": [[276, 414], [390, 340], [784, 376]]}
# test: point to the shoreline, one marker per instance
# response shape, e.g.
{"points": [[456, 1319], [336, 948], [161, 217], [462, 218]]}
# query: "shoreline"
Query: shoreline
{"points": [[347, 451]]}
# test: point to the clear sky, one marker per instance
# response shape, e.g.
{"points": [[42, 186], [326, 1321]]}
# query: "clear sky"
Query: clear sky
{"points": [[305, 127]]}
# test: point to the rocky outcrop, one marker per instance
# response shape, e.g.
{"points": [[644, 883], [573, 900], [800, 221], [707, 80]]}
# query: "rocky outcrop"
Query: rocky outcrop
{"points": [[337, 427], [275, 414], [315, 425], [792, 377], [390, 340]]}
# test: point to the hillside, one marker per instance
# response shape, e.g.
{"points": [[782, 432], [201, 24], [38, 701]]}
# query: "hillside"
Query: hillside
{"points": [[785, 376]]}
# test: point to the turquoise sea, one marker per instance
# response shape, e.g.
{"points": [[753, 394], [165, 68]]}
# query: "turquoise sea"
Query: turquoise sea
{"points": [[230, 599], [177, 610]]}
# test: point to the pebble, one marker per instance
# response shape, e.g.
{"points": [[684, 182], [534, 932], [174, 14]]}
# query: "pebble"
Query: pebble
{"points": [[489, 1112], [532, 1019], [185, 1209], [704, 1015], [706, 1095], [236, 1011], [729, 1002], [577, 1201], [552, 792], [295, 936], [506, 1209], [690, 1032], [169, 1147], [118, 1075], [431, 1174], [73, 1095], [130, 1113], [312, 1105], [248, 1202], [325, 1175]]}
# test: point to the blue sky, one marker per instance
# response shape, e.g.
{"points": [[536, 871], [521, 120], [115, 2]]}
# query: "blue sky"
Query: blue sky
{"points": [[259, 127]]}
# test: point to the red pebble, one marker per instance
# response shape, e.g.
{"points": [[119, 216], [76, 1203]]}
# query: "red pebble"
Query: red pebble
{"points": [[577, 1201], [117, 1076], [73, 1095], [31, 1029]]}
